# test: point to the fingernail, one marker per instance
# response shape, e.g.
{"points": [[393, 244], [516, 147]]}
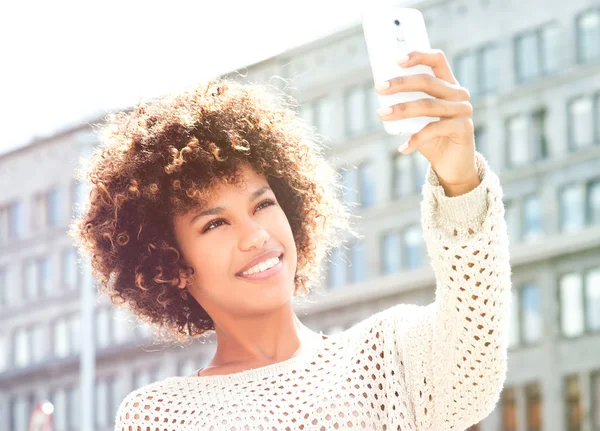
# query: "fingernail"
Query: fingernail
{"points": [[382, 85], [403, 60], [403, 147], [385, 111]]}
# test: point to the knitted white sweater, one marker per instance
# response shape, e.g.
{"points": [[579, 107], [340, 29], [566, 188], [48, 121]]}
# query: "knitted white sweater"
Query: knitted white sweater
{"points": [[437, 367]]}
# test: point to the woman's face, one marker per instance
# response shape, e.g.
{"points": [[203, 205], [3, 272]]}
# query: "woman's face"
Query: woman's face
{"points": [[221, 241]]}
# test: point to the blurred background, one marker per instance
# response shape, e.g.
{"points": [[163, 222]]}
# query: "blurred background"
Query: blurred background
{"points": [[532, 68]]}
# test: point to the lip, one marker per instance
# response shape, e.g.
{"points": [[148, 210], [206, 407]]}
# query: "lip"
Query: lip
{"points": [[271, 272], [260, 258]]}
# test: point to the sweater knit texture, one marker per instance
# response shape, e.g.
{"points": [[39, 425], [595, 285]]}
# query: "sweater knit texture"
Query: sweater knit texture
{"points": [[436, 367]]}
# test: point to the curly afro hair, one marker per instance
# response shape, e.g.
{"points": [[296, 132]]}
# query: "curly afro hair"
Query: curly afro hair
{"points": [[160, 159]]}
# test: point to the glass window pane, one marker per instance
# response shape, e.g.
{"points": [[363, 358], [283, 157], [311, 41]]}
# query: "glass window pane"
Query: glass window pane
{"points": [[102, 328], [581, 122], [15, 220], [573, 403], [121, 325], [3, 287], [509, 409], [350, 186], [61, 338], [37, 343], [45, 274], [596, 400], [53, 207], [481, 141], [513, 221], [551, 48], [366, 176], [391, 250], [514, 323], [518, 141], [533, 396], [489, 69], [22, 353], [421, 165], [307, 112], [532, 218], [75, 333], [358, 268], [527, 59], [531, 312], [4, 349], [413, 243], [572, 213], [31, 280], [539, 142], [592, 283], [373, 105], [73, 406], [59, 401], [101, 404], [571, 308], [355, 111], [403, 176], [593, 202], [466, 68], [70, 271], [589, 35], [327, 113], [337, 269]]}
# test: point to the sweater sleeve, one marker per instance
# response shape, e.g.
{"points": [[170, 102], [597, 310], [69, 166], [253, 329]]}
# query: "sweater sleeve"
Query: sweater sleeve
{"points": [[449, 358]]}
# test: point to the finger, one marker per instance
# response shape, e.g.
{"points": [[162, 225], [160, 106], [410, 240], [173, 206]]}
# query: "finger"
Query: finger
{"points": [[436, 59], [431, 85], [457, 129], [426, 108]]}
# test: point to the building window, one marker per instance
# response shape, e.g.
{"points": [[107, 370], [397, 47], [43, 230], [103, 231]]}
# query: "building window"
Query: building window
{"points": [[337, 269], [588, 36], [572, 212], [509, 409], [413, 247], [58, 398], [526, 138], [489, 69], [45, 275], [513, 221], [4, 349], [573, 403], [73, 408], [326, 118], [466, 70], [571, 305], [537, 53], [349, 186], [595, 381], [514, 323], [53, 207], [527, 56], [593, 202], [306, 112], [60, 335], [533, 400], [481, 140], [144, 377], [532, 218], [421, 165], [356, 105], [103, 329], [358, 262], [592, 299], [3, 287], [391, 259], [477, 70], [531, 313], [11, 222], [74, 323], [70, 270], [105, 401], [366, 178], [402, 176], [581, 122], [21, 348]]}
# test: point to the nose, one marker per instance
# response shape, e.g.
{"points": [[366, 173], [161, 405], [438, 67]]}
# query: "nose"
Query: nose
{"points": [[255, 237]]}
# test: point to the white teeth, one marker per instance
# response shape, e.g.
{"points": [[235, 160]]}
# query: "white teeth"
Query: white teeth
{"points": [[263, 266]]}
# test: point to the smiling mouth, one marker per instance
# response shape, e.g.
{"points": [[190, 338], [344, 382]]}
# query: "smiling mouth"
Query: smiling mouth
{"points": [[266, 270]]}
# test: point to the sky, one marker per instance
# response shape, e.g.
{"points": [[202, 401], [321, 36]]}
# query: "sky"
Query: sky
{"points": [[64, 62]]}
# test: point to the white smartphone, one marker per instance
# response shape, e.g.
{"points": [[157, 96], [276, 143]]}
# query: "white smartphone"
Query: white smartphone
{"points": [[390, 33]]}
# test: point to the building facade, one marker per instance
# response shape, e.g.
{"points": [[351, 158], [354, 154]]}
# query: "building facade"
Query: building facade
{"points": [[533, 71]]}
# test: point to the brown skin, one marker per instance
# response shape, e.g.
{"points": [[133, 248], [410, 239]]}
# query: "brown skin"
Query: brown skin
{"points": [[255, 323]]}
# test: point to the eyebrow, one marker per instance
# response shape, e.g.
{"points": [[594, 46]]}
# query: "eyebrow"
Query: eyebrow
{"points": [[218, 210]]}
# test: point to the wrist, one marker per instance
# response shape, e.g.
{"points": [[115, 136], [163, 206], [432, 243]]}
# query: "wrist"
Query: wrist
{"points": [[457, 189]]}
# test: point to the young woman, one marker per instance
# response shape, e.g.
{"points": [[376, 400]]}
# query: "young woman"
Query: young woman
{"points": [[211, 209]]}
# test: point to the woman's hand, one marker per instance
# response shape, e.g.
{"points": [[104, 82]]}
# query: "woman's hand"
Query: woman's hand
{"points": [[449, 143]]}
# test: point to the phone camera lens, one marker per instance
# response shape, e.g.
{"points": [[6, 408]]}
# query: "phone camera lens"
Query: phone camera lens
{"points": [[397, 22]]}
